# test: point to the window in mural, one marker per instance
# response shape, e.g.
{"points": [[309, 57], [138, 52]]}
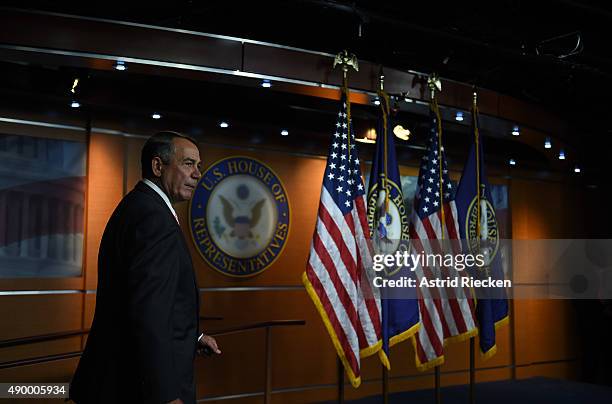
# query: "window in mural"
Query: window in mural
{"points": [[42, 202]]}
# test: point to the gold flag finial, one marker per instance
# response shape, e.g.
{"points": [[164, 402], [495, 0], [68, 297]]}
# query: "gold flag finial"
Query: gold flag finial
{"points": [[401, 133], [434, 83], [346, 60]]}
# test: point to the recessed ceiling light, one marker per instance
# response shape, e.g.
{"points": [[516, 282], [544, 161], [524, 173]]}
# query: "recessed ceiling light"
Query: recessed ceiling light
{"points": [[75, 104], [266, 84], [459, 116], [120, 65], [515, 131], [223, 124], [285, 132], [512, 162], [577, 169], [547, 143], [155, 115], [377, 101], [561, 155]]}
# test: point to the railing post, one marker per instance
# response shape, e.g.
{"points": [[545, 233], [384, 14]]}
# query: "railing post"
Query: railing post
{"points": [[472, 371], [437, 392], [385, 384], [340, 382], [268, 391]]}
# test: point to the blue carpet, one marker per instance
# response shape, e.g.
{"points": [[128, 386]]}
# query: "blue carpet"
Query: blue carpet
{"points": [[538, 390]]}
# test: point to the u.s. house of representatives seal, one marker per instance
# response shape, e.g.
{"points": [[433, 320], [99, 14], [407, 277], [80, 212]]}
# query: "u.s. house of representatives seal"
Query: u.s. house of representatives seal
{"points": [[239, 216], [487, 242], [389, 225]]}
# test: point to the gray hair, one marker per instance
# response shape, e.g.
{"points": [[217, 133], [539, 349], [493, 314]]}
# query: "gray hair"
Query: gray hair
{"points": [[159, 145]]}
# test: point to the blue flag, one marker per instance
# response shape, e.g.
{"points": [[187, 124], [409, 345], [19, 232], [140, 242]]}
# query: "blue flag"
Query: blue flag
{"points": [[389, 225], [480, 234]]}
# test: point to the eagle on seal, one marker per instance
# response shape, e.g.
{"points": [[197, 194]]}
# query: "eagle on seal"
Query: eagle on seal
{"points": [[241, 224]]}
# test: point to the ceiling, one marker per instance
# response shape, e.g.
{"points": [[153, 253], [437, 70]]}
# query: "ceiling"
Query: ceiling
{"points": [[553, 53], [506, 45]]}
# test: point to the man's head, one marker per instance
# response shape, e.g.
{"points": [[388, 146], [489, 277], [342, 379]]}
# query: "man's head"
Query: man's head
{"points": [[172, 161]]}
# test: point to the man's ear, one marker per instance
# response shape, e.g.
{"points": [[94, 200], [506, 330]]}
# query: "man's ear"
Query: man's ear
{"points": [[156, 166]]}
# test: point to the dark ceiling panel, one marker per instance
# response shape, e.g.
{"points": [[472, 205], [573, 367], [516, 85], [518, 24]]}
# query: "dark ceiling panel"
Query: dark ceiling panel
{"points": [[81, 35]]}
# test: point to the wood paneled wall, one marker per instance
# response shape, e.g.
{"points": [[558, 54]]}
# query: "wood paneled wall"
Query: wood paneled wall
{"points": [[540, 340]]}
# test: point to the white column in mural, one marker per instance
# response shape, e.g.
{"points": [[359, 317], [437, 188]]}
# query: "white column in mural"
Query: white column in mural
{"points": [[3, 215], [78, 214], [24, 222], [45, 227], [69, 235]]}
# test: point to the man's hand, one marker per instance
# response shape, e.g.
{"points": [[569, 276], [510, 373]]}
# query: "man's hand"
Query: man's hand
{"points": [[177, 401], [207, 345]]}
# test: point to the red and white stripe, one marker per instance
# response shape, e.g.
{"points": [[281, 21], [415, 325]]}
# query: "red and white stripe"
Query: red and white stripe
{"points": [[336, 269], [445, 312]]}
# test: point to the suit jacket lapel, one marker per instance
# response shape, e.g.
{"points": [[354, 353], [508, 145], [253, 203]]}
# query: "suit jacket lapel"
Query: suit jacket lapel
{"points": [[142, 187]]}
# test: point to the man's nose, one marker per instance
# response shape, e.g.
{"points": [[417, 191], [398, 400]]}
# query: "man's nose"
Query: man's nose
{"points": [[196, 173]]}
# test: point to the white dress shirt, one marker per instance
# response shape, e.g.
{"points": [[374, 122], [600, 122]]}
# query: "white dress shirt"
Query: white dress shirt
{"points": [[163, 196]]}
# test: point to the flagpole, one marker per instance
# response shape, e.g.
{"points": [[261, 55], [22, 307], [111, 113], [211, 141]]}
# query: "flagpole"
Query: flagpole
{"points": [[434, 84], [340, 382], [385, 384], [384, 105], [472, 371], [344, 60], [437, 391], [477, 152], [345, 90]]}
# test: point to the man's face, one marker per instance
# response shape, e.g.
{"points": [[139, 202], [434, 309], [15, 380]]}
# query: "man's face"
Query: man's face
{"points": [[180, 177]]}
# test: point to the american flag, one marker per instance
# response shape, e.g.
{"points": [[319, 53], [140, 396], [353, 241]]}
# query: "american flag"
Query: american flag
{"points": [[446, 313], [337, 275]]}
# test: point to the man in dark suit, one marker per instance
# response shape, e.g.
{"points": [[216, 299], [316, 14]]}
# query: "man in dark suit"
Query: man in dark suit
{"points": [[144, 335]]}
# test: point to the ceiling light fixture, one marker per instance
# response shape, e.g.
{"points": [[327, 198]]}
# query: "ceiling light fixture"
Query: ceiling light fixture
{"points": [[120, 65], [561, 155]]}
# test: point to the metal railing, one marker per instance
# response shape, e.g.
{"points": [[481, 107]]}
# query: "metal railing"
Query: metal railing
{"points": [[267, 325]]}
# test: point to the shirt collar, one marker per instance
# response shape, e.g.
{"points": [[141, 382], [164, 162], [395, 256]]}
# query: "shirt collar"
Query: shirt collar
{"points": [[162, 194]]}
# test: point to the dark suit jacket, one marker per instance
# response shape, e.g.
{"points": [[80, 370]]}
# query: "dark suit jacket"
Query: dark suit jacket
{"points": [[142, 342]]}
